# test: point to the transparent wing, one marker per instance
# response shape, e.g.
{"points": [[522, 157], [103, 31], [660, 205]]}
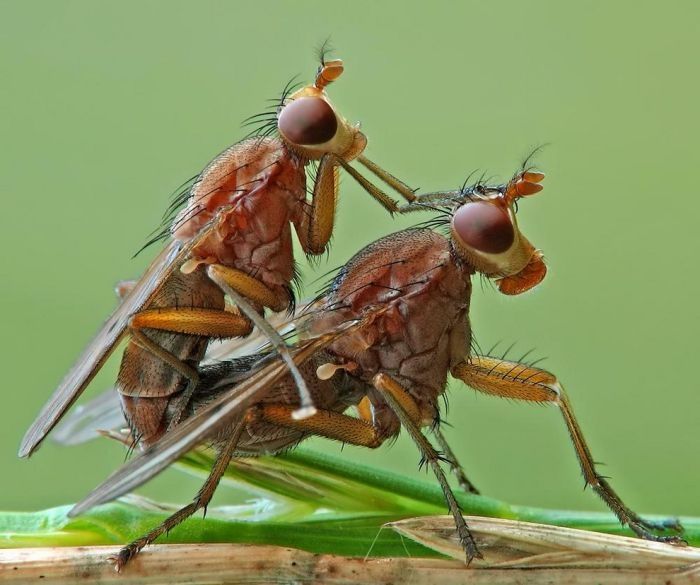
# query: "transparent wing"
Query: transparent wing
{"points": [[196, 429], [83, 423], [227, 349], [104, 412], [99, 349]]}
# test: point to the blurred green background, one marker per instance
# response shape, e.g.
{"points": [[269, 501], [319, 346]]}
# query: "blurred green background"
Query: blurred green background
{"points": [[108, 107]]}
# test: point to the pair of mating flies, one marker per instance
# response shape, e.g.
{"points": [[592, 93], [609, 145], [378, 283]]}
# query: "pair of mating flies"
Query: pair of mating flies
{"points": [[381, 339]]}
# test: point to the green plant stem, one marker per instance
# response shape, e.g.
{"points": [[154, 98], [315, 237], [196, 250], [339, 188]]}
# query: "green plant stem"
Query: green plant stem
{"points": [[314, 502], [475, 505]]}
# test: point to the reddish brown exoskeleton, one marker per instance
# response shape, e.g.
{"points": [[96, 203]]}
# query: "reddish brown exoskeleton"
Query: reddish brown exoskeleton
{"points": [[229, 409], [422, 282], [402, 304], [234, 238]]}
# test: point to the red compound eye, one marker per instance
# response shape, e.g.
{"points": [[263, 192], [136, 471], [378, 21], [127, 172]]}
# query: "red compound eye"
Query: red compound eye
{"points": [[307, 120], [484, 227]]}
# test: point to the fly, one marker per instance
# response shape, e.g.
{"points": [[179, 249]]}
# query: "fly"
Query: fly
{"points": [[233, 238], [384, 338]]}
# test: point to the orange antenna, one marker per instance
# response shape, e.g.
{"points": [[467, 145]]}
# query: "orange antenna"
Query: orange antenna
{"points": [[328, 73], [525, 184]]}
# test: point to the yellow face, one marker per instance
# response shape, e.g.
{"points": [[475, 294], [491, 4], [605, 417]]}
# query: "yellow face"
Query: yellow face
{"points": [[486, 235], [309, 124]]}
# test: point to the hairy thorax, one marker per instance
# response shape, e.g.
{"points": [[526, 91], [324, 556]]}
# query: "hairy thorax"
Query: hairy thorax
{"points": [[263, 186], [415, 297]]}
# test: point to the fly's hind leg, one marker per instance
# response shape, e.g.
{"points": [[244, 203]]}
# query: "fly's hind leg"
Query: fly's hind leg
{"points": [[522, 382], [201, 500], [190, 321], [250, 296]]}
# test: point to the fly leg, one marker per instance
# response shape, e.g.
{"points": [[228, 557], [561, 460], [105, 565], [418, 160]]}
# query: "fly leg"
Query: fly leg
{"points": [[315, 229], [325, 423], [249, 293], [396, 184], [355, 153], [455, 466], [401, 402], [190, 321], [522, 382], [315, 226], [364, 409], [359, 431], [382, 198], [523, 184], [201, 500]]}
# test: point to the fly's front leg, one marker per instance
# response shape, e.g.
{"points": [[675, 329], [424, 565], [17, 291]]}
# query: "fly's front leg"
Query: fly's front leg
{"points": [[522, 382], [523, 184], [201, 500], [391, 205], [317, 229], [401, 402], [355, 153], [396, 184], [315, 226]]}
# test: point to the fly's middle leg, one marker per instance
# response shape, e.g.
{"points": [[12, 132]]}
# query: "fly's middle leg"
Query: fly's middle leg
{"points": [[364, 410], [401, 402], [455, 466], [250, 294], [361, 431]]}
